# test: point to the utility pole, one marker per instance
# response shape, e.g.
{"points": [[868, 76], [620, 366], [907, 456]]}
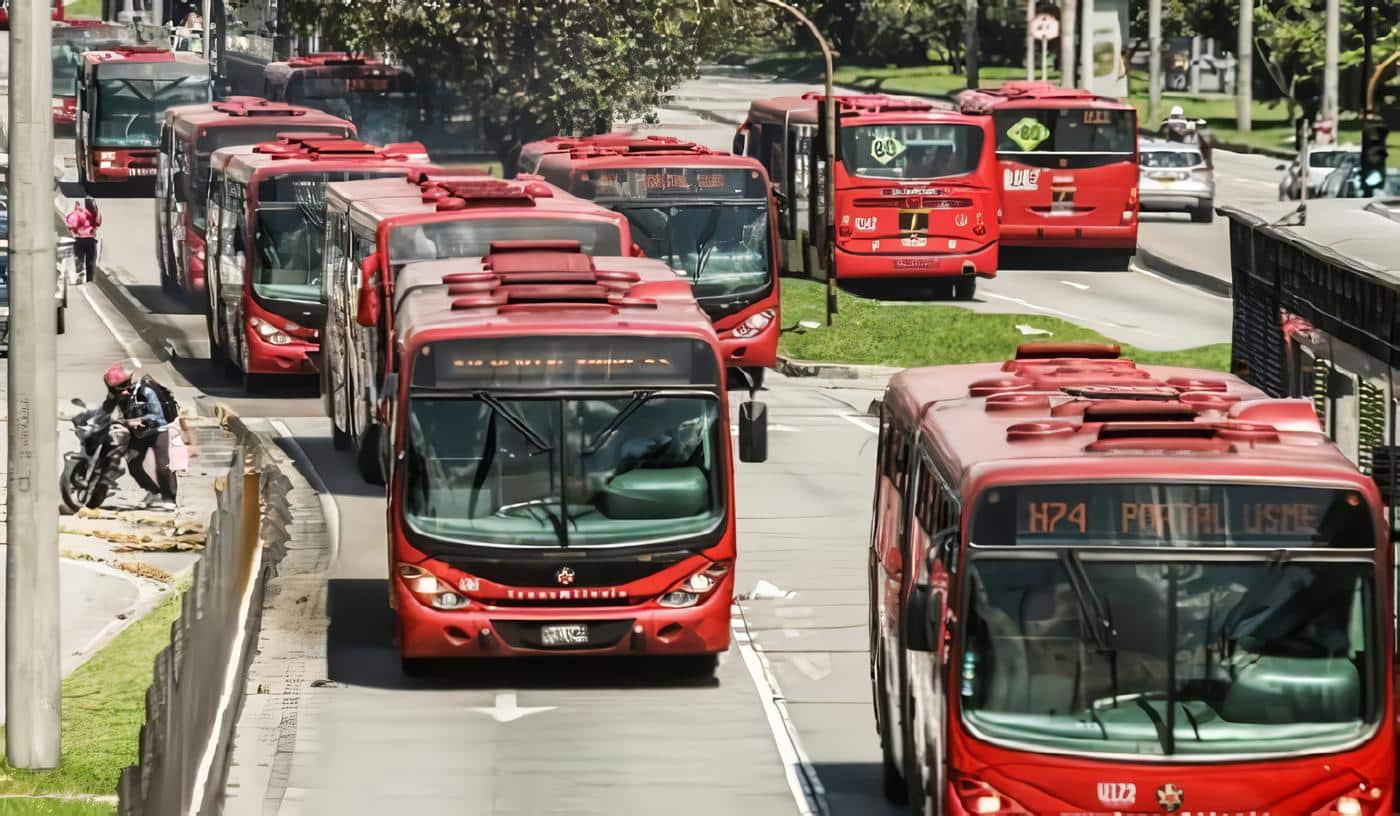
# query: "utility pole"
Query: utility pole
{"points": [[32, 675], [1030, 42], [1244, 70], [971, 45], [1331, 106], [1068, 20], [1154, 61]]}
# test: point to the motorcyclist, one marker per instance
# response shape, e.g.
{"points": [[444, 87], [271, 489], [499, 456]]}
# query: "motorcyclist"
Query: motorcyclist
{"points": [[1177, 128], [142, 415]]}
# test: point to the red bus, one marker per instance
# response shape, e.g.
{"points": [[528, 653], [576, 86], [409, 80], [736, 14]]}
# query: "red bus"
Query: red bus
{"points": [[707, 214], [916, 188], [265, 308], [1069, 166], [548, 376], [57, 14], [1102, 587], [70, 39], [122, 97], [189, 135], [373, 228], [381, 99]]}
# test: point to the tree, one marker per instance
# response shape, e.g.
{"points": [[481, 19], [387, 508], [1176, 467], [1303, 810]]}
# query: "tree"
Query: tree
{"points": [[532, 67]]}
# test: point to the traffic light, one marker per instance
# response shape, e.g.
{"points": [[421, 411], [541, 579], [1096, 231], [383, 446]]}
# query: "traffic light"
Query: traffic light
{"points": [[1373, 155]]}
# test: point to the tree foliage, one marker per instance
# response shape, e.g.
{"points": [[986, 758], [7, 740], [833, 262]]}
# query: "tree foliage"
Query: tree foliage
{"points": [[530, 67]]}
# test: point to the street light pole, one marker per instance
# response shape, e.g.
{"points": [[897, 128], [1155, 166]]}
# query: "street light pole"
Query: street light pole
{"points": [[828, 230], [1244, 70], [32, 675], [1154, 61]]}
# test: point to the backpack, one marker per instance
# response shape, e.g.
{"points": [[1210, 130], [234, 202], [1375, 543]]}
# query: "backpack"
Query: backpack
{"points": [[168, 404]]}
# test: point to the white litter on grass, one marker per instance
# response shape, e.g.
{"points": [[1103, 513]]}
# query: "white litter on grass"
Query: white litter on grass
{"points": [[1030, 331], [765, 591]]}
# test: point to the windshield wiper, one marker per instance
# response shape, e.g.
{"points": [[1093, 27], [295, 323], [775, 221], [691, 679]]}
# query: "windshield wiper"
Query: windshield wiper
{"points": [[638, 398], [531, 435], [1095, 615]]}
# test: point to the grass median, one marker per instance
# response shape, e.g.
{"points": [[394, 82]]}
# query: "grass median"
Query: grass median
{"points": [[869, 332], [104, 705]]}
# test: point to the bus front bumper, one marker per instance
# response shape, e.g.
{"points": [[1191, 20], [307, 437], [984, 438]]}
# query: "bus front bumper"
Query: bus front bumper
{"points": [[1122, 236], [645, 629], [290, 358], [981, 262]]}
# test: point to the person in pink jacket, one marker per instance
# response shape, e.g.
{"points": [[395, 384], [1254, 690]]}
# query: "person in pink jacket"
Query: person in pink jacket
{"points": [[83, 221]]}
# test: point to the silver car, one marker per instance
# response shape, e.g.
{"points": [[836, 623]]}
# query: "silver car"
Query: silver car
{"points": [[1175, 177]]}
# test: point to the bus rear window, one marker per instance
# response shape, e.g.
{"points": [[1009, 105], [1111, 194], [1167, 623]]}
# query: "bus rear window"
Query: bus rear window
{"points": [[910, 151], [1172, 515], [1065, 130], [470, 238]]}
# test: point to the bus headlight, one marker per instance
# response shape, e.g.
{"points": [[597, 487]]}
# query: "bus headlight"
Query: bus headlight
{"points": [[1360, 803], [690, 591], [269, 332], [755, 324], [979, 797], [430, 590]]}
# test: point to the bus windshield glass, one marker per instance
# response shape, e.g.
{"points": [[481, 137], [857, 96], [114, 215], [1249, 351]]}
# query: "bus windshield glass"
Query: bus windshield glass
{"points": [[128, 109], [1156, 619], [289, 255], [722, 248], [910, 151], [1065, 130], [66, 56], [384, 109], [469, 238], [639, 462]]}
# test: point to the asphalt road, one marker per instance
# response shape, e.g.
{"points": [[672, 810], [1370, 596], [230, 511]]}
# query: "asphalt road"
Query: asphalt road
{"points": [[588, 737]]}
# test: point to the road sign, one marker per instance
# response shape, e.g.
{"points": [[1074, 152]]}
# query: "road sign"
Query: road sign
{"points": [[1045, 27]]}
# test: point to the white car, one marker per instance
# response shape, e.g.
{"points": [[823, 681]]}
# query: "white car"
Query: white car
{"points": [[1322, 160], [1175, 177]]}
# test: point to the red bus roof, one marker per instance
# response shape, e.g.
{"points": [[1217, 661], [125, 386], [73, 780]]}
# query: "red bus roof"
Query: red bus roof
{"points": [[867, 107], [308, 152], [1021, 93], [530, 287], [1082, 412], [427, 193], [253, 112], [610, 150], [140, 53], [333, 60]]}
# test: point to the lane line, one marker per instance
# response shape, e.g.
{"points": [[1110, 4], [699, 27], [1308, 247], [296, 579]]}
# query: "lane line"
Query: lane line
{"points": [[111, 327], [1080, 286], [857, 422], [807, 790], [330, 511], [1073, 318]]}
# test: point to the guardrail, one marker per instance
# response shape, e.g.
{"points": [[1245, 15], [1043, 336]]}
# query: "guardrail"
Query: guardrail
{"points": [[195, 694]]}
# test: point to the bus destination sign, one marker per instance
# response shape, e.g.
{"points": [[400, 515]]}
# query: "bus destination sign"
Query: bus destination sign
{"points": [[564, 362], [643, 183]]}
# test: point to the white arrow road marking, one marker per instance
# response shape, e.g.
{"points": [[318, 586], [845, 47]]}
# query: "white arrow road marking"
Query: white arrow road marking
{"points": [[1080, 286], [507, 709]]}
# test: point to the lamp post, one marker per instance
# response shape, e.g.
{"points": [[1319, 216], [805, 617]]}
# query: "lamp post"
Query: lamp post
{"points": [[828, 230]]}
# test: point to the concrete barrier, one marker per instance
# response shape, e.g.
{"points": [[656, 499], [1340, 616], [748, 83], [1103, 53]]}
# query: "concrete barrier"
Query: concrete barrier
{"points": [[195, 694]]}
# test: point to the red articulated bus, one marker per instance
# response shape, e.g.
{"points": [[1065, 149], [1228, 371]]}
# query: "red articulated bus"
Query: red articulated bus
{"points": [[707, 214], [1099, 587], [70, 39], [917, 197], [373, 228], [532, 510], [58, 13], [1069, 166], [266, 308], [122, 97], [380, 99], [189, 136]]}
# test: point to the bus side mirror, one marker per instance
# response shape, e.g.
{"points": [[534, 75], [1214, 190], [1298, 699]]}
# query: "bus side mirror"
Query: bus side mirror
{"points": [[367, 301], [387, 395], [637, 251], [1385, 470], [920, 614], [753, 431]]}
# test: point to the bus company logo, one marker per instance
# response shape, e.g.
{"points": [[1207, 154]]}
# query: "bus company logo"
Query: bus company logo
{"points": [[960, 220], [865, 224], [1026, 179], [1170, 797], [1117, 794], [933, 192], [565, 576]]}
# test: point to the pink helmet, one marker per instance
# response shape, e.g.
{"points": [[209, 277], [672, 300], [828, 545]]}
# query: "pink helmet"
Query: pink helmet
{"points": [[117, 376]]}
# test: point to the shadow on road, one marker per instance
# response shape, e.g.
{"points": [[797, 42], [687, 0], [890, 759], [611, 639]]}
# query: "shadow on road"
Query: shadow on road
{"points": [[1069, 260], [336, 468], [854, 788], [157, 302], [360, 651]]}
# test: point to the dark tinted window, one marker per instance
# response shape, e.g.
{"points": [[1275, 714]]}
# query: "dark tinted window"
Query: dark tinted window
{"points": [[567, 361], [1065, 130]]}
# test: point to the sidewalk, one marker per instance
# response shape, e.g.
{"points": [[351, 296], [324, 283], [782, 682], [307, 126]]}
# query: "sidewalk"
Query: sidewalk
{"points": [[118, 562]]}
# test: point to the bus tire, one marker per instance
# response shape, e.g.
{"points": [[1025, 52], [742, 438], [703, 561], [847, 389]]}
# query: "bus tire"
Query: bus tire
{"points": [[895, 788], [367, 457], [59, 319], [964, 288], [697, 667], [1117, 260], [340, 440]]}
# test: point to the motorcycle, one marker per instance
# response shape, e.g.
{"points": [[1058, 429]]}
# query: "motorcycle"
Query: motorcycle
{"points": [[91, 472]]}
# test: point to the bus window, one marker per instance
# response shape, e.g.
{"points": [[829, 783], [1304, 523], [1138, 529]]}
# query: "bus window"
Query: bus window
{"points": [[1064, 130], [913, 151]]}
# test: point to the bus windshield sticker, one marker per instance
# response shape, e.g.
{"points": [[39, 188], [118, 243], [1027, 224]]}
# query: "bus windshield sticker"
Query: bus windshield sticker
{"points": [[1165, 514], [1028, 133], [1020, 179], [886, 149]]}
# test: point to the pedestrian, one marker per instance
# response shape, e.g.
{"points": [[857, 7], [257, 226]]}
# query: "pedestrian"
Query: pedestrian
{"points": [[83, 221], [144, 412]]}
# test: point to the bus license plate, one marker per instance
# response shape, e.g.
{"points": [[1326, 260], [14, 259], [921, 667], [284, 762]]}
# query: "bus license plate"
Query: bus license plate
{"points": [[569, 634]]}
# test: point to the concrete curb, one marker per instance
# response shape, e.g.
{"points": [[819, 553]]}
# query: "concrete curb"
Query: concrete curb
{"points": [[1154, 263], [789, 367]]}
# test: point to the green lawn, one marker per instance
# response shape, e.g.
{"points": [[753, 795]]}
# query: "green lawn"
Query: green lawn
{"points": [[53, 807], [83, 8], [104, 704], [919, 335]]}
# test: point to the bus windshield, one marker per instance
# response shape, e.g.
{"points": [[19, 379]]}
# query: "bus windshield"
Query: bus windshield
{"points": [[128, 110], [66, 56], [1065, 130], [289, 255], [911, 151], [381, 116], [722, 248], [469, 238], [1158, 619]]}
